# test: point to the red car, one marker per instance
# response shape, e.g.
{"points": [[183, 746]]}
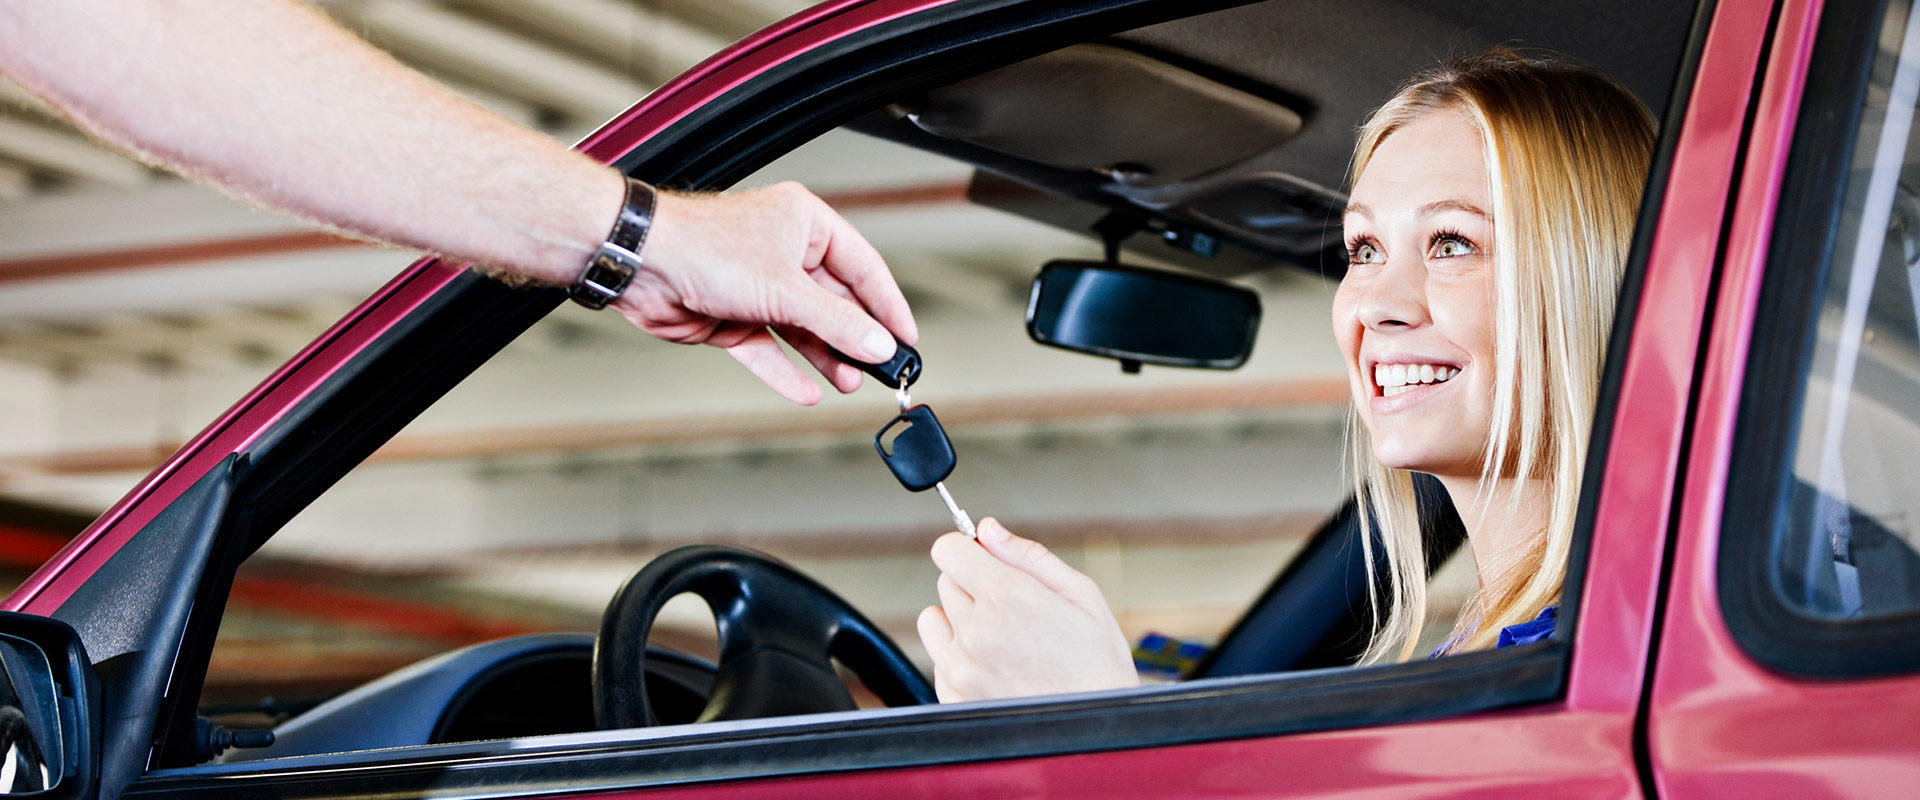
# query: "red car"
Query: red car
{"points": [[1742, 615]]}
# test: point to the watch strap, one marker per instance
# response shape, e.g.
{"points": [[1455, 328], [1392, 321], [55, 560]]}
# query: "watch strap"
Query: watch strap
{"points": [[611, 267]]}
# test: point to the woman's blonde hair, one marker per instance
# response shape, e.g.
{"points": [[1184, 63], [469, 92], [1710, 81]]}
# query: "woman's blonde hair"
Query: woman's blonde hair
{"points": [[1567, 151]]}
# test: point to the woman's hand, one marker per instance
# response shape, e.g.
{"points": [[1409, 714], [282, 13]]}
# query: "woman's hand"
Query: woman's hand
{"points": [[1015, 620]]}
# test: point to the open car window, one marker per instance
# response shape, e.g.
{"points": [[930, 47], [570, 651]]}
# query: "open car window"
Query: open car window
{"points": [[522, 500]]}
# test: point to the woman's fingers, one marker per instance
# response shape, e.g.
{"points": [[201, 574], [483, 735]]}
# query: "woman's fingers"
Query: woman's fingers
{"points": [[1033, 558], [936, 634], [976, 571], [1006, 632], [957, 604]]}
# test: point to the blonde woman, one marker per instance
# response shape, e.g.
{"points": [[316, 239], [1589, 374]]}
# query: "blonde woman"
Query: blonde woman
{"points": [[1491, 208]]}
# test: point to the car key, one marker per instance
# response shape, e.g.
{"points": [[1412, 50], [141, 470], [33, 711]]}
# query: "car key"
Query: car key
{"points": [[926, 458], [916, 448]]}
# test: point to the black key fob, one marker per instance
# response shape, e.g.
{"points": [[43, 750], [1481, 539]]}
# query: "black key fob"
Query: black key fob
{"points": [[916, 448], [901, 370]]}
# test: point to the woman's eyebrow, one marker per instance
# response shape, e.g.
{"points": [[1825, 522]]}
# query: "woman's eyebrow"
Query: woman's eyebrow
{"points": [[1450, 205], [1359, 208]]}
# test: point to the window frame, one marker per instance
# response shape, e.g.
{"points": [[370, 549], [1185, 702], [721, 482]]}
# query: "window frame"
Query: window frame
{"points": [[1768, 626]]}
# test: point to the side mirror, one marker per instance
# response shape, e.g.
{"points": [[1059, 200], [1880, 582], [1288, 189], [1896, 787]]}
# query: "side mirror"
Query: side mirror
{"points": [[32, 738], [1142, 316], [48, 707]]}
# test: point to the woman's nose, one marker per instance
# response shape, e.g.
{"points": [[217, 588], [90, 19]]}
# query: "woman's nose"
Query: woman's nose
{"points": [[1395, 298]]}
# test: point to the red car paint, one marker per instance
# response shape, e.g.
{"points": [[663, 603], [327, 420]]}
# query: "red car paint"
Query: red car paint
{"points": [[1719, 724], [1715, 723]]}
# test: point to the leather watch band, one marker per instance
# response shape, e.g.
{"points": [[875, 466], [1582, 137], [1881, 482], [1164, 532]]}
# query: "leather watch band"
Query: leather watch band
{"points": [[612, 267]]}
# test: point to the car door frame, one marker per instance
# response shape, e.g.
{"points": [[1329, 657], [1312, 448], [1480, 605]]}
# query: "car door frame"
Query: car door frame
{"points": [[1574, 697], [1749, 697]]}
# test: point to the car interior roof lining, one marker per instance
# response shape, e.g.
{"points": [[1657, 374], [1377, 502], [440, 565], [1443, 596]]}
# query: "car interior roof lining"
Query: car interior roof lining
{"points": [[1279, 202]]}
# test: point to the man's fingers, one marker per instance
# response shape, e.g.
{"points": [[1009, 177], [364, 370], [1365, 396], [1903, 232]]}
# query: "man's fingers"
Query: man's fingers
{"points": [[852, 259], [836, 320], [844, 377], [1033, 558], [725, 335], [762, 356]]}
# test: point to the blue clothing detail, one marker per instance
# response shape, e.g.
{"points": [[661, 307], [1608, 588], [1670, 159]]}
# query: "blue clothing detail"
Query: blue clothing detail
{"points": [[1524, 633], [1529, 632], [1163, 656]]}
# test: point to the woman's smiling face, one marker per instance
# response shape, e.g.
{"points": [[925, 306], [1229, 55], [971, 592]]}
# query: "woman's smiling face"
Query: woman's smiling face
{"points": [[1414, 315]]}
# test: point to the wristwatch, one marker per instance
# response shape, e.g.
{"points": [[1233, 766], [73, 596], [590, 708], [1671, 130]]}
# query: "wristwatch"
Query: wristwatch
{"points": [[612, 266]]}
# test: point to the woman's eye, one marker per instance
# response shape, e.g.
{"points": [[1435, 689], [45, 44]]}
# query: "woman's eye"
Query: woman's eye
{"points": [[1450, 247], [1364, 253]]}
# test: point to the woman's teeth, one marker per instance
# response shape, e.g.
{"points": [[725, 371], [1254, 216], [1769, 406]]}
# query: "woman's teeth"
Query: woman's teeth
{"points": [[1396, 378]]}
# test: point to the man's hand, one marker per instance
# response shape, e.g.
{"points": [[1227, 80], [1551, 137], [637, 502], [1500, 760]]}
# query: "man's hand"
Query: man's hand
{"points": [[731, 270], [394, 157], [1015, 620]]}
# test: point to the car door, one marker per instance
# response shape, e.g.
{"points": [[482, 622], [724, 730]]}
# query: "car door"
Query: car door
{"points": [[1556, 717], [1789, 664]]}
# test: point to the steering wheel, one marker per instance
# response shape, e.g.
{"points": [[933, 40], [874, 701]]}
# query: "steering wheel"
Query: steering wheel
{"points": [[778, 630]]}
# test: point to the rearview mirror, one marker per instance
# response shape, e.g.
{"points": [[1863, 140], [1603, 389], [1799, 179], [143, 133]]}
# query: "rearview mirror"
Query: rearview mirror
{"points": [[1142, 316]]}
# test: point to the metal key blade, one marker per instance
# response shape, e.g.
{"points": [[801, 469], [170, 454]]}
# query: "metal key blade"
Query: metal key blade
{"points": [[960, 517]]}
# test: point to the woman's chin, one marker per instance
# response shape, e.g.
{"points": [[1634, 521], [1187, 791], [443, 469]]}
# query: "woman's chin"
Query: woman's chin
{"points": [[1416, 459]]}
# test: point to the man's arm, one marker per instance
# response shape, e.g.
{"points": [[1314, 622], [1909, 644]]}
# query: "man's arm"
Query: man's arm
{"points": [[270, 100]]}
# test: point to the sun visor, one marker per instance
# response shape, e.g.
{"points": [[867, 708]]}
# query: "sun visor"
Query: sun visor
{"points": [[1093, 106]]}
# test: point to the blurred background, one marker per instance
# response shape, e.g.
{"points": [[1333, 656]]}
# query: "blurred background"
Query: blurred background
{"points": [[135, 307]]}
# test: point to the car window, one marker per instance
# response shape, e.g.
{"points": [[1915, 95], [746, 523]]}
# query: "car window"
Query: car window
{"points": [[1820, 571], [523, 499], [1848, 548]]}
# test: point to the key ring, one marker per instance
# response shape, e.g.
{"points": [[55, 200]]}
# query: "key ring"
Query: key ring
{"points": [[901, 396]]}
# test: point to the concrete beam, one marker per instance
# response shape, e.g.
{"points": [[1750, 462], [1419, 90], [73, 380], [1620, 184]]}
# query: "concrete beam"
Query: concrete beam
{"points": [[440, 38], [255, 334], [736, 18], [14, 94], [954, 283], [15, 183], [512, 108], [622, 32], [70, 155]]}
